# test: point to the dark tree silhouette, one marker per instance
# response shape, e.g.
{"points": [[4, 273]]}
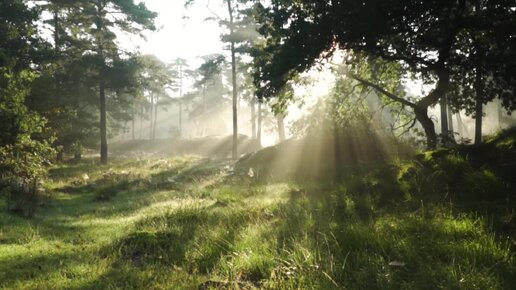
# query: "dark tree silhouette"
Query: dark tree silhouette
{"points": [[428, 38]]}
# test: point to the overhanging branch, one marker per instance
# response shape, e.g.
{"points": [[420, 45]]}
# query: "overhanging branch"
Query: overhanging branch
{"points": [[378, 88]]}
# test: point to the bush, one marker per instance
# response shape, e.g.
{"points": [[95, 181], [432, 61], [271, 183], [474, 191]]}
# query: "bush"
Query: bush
{"points": [[22, 168], [23, 159], [446, 173]]}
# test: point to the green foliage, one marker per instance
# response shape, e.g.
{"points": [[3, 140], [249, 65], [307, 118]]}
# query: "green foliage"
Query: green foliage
{"points": [[504, 139], [23, 159], [446, 174], [344, 107], [435, 42], [18, 35]]}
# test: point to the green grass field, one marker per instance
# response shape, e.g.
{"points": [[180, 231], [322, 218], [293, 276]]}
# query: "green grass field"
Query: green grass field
{"points": [[189, 223]]}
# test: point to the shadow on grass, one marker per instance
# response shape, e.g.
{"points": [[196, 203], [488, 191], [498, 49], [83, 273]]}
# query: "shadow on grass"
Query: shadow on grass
{"points": [[126, 192], [74, 170], [77, 220], [27, 268], [361, 242], [190, 240], [364, 234]]}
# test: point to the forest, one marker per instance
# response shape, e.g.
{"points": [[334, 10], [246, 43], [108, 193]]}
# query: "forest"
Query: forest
{"points": [[257, 144]]}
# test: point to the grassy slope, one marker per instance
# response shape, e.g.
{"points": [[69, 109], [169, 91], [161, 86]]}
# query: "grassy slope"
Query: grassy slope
{"points": [[183, 224]]}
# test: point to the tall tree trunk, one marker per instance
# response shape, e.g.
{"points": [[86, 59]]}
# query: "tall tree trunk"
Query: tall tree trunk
{"points": [[60, 155], [253, 118], [428, 126], [57, 82], [132, 129], [478, 120], [151, 117], [234, 81], [155, 119], [451, 130], [133, 122], [57, 43], [141, 124], [259, 129], [478, 90], [281, 127], [180, 99], [103, 124], [102, 89], [180, 118], [443, 104], [421, 109], [337, 154]]}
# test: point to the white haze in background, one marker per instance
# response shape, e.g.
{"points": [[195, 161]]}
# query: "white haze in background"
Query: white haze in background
{"points": [[185, 33]]}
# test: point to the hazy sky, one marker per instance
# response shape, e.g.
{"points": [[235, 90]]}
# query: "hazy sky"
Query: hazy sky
{"points": [[182, 32]]}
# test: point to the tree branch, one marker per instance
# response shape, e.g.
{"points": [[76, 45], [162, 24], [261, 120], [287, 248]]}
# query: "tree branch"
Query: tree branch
{"points": [[213, 12], [410, 127], [382, 90]]}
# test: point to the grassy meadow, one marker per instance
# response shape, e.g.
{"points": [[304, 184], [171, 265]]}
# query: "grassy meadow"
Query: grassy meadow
{"points": [[194, 223]]}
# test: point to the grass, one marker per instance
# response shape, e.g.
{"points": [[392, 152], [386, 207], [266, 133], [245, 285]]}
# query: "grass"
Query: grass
{"points": [[188, 223]]}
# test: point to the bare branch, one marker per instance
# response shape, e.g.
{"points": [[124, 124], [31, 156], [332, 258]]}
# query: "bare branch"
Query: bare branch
{"points": [[213, 12], [408, 129], [383, 91]]}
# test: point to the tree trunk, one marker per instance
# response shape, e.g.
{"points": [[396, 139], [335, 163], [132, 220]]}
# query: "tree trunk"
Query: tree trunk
{"points": [[478, 107], [102, 89], [478, 90], [141, 124], [421, 108], [428, 127], [103, 125], [443, 104], [337, 154], [478, 122], [60, 156], [57, 41], [259, 129], [155, 119], [281, 127], [151, 117], [253, 118], [133, 124], [180, 118], [451, 130], [180, 99], [234, 81]]}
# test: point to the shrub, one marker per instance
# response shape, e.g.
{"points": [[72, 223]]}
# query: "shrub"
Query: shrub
{"points": [[22, 168], [22, 157]]}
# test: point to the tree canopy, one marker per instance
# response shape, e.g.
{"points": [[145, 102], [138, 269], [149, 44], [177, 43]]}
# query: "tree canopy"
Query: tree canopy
{"points": [[431, 40]]}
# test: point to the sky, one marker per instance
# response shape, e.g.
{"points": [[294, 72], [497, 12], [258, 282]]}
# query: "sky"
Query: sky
{"points": [[182, 32]]}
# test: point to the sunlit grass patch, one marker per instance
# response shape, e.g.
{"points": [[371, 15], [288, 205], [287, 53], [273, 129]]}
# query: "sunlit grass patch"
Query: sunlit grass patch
{"points": [[210, 228]]}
